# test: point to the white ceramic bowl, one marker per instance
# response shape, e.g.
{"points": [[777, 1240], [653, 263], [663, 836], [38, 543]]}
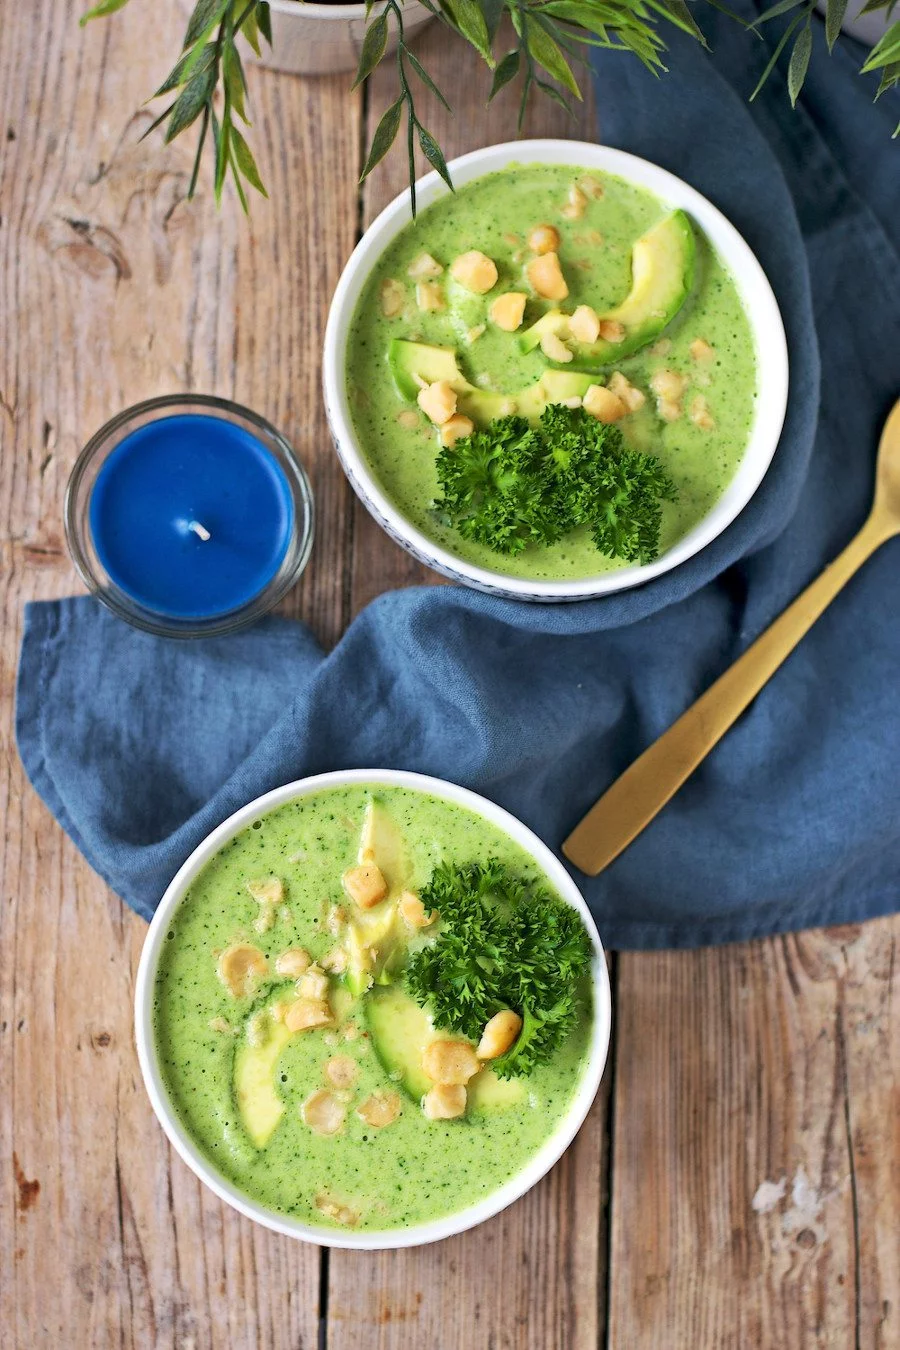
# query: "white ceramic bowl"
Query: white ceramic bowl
{"points": [[318, 39], [755, 292], [436, 1229]]}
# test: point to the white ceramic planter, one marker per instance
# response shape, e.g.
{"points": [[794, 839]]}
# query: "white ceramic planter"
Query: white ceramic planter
{"points": [[312, 39], [758, 300], [388, 1239]]}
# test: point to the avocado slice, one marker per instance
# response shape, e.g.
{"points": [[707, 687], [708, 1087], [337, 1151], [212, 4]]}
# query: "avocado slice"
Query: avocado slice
{"points": [[255, 1060], [409, 360], [376, 938], [662, 274], [400, 1030]]}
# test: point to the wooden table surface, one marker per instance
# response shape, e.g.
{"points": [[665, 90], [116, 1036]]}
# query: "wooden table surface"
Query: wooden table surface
{"points": [[737, 1182]]}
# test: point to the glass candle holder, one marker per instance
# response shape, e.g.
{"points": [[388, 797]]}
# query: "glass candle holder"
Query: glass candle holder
{"points": [[189, 516]]}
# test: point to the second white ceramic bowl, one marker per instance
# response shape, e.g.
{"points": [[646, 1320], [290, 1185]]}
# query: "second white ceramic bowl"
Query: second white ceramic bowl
{"points": [[543, 1160], [759, 303], [321, 39]]}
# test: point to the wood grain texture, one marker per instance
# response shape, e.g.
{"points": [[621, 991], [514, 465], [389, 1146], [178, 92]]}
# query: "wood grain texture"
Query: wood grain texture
{"points": [[765, 1063], [756, 1163]]}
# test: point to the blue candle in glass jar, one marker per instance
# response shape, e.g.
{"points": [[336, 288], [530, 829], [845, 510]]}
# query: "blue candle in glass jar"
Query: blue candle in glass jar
{"points": [[189, 522]]}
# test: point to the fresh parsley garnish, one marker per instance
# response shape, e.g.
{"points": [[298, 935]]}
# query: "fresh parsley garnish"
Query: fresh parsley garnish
{"points": [[503, 943], [513, 485]]}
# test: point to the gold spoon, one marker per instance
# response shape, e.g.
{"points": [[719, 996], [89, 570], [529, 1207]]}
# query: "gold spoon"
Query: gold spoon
{"points": [[654, 778]]}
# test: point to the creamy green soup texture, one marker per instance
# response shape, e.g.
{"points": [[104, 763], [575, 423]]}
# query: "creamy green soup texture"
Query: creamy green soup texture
{"points": [[495, 214], [414, 1169]]}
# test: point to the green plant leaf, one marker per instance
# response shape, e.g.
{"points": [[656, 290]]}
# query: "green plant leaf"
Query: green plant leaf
{"points": [[243, 159], [223, 154], [834, 17], [101, 10], [385, 135], [554, 94], [493, 13], [201, 141], [677, 12], [773, 59], [872, 6], [191, 102], [799, 62], [198, 59], [435, 156], [885, 51], [471, 23], [250, 30], [548, 54], [373, 47], [506, 71], [235, 82], [205, 14], [426, 79], [264, 20], [773, 12]]}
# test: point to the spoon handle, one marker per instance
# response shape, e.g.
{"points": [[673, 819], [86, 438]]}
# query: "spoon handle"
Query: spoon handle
{"points": [[654, 778]]}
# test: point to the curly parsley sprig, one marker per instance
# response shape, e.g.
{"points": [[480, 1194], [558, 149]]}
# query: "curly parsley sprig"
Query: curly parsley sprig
{"points": [[512, 485], [503, 943]]}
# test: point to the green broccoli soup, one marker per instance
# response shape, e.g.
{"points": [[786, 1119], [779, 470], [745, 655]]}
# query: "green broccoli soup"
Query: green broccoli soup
{"points": [[372, 1008], [551, 374]]}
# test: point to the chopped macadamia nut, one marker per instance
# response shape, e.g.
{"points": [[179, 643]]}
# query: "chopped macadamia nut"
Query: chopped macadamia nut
{"points": [[219, 1024], [307, 1014], [323, 1113], [342, 1214], [334, 961], [544, 239], [414, 912], [438, 402], [575, 204], [661, 347], [429, 296], [667, 384], [700, 414], [455, 428], [268, 894], [351, 1032], [590, 186], [545, 276], [632, 397], [512, 239], [365, 883], [584, 324], [424, 268], [475, 333], [611, 330], [555, 349], [391, 297], [449, 1061], [603, 404], [337, 915], [445, 1101], [341, 1071], [700, 350], [499, 1034], [381, 1109], [408, 419], [239, 967], [292, 963], [313, 983], [475, 271], [668, 409], [508, 310]]}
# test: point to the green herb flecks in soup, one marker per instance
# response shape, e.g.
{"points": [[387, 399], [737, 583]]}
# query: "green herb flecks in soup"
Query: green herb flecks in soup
{"points": [[372, 1010], [546, 285]]}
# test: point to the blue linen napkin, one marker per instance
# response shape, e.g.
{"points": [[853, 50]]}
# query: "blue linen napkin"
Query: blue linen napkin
{"points": [[140, 746]]}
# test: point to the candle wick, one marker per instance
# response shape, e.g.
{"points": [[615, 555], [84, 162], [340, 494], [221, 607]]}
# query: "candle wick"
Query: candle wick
{"points": [[199, 530]]}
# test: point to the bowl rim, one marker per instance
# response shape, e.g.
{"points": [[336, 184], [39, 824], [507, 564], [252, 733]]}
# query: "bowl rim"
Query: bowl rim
{"points": [[309, 9], [758, 301], [432, 1230]]}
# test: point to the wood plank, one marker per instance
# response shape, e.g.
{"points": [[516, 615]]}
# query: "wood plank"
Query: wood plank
{"points": [[535, 1275], [756, 1169], [112, 289]]}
